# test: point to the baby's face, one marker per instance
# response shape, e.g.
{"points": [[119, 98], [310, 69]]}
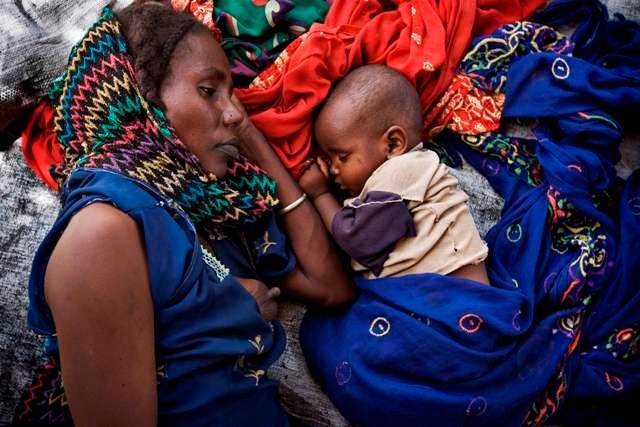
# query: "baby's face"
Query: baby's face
{"points": [[354, 154]]}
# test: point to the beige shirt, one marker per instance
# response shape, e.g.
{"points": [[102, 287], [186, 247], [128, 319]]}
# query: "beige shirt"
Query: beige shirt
{"points": [[447, 237]]}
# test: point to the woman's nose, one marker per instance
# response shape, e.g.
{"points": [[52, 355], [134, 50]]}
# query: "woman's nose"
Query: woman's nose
{"points": [[231, 116], [333, 170]]}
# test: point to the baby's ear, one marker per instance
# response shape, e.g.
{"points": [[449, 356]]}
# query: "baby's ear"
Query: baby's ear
{"points": [[396, 141]]}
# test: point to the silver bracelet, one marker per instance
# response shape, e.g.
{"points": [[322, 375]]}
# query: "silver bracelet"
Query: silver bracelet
{"points": [[291, 206]]}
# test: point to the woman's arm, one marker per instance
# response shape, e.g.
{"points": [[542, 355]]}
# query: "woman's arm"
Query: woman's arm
{"points": [[96, 285], [321, 278]]}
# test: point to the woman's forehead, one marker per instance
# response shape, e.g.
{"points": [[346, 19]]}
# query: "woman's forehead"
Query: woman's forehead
{"points": [[200, 53]]}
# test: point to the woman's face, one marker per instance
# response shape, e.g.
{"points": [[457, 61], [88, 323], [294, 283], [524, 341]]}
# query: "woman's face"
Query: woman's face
{"points": [[199, 101]]}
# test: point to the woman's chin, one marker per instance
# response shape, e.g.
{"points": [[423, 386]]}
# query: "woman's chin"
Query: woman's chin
{"points": [[218, 168]]}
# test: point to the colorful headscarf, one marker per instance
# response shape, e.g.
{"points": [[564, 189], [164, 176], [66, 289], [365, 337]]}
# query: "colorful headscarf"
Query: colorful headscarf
{"points": [[103, 121]]}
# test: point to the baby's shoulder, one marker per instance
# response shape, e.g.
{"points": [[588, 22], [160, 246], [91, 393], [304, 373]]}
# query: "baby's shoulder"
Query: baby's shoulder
{"points": [[409, 175]]}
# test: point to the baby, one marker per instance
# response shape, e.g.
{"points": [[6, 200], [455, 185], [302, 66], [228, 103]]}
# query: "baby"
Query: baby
{"points": [[407, 214]]}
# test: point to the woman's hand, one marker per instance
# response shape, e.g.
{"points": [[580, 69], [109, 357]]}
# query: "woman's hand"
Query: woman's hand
{"points": [[320, 277], [248, 134], [265, 297], [315, 179]]}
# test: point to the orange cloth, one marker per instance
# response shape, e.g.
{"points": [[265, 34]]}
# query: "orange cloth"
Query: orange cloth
{"points": [[466, 109], [40, 146], [202, 10], [423, 39]]}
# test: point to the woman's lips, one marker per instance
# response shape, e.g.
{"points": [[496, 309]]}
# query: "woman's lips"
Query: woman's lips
{"points": [[230, 149]]}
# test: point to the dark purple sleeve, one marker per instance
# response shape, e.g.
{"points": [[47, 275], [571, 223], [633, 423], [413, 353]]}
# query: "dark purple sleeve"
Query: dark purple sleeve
{"points": [[367, 230]]}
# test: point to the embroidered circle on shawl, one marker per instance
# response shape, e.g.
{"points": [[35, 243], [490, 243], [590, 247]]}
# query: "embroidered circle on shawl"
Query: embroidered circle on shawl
{"points": [[516, 320], [634, 205], [477, 407], [575, 168], [514, 233], [343, 373], [613, 382], [470, 323], [379, 327], [560, 69], [624, 335], [490, 167]]}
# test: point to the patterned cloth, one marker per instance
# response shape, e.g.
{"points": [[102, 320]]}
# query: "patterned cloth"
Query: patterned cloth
{"points": [[613, 43], [466, 109], [45, 402], [202, 10], [487, 63], [557, 333], [473, 102], [256, 31], [423, 40], [102, 121], [253, 33]]}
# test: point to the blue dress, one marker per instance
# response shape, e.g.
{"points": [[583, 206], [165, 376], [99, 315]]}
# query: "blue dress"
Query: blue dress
{"points": [[212, 346]]}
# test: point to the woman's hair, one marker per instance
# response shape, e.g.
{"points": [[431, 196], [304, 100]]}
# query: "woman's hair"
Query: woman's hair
{"points": [[152, 31]]}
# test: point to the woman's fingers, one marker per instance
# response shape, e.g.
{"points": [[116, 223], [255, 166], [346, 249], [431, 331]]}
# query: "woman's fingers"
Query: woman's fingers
{"points": [[269, 306], [265, 297]]}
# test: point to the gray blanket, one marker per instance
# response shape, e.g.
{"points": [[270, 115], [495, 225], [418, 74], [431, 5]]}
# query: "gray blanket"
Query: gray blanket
{"points": [[35, 38]]}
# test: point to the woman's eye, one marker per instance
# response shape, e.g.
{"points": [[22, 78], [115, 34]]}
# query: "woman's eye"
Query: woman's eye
{"points": [[342, 157], [207, 91]]}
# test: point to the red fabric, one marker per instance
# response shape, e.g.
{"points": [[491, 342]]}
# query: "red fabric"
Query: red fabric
{"points": [[423, 39], [466, 109], [40, 146], [202, 10]]}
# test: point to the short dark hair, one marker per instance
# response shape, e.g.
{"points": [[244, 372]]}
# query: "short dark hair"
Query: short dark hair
{"points": [[380, 97], [152, 31]]}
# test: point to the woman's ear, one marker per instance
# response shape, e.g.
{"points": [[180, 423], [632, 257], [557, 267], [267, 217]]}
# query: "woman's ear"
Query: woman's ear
{"points": [[395, 140]]}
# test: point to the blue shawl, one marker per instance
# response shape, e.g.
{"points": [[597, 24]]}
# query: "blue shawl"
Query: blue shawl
{"points": [[557, 332]]}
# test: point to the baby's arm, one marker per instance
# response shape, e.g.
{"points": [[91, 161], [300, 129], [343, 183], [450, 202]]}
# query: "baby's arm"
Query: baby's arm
{"points": [[367, 229], [315, 182]]}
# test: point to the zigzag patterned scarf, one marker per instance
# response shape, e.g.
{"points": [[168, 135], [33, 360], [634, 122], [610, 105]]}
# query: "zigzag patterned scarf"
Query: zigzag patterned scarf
{"points": [[103, 121]]}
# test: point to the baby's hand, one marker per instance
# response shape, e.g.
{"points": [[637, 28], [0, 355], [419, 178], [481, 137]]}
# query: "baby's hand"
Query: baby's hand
{"points": [[265, 297], [315, 179]]}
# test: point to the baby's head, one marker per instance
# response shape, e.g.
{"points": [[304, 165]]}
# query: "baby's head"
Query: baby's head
{"points": [[372, 115]]}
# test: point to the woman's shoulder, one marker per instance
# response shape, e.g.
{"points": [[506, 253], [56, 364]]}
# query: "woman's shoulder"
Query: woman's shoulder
{"points": [[108, 220], [100, 227], [100, 253]]}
